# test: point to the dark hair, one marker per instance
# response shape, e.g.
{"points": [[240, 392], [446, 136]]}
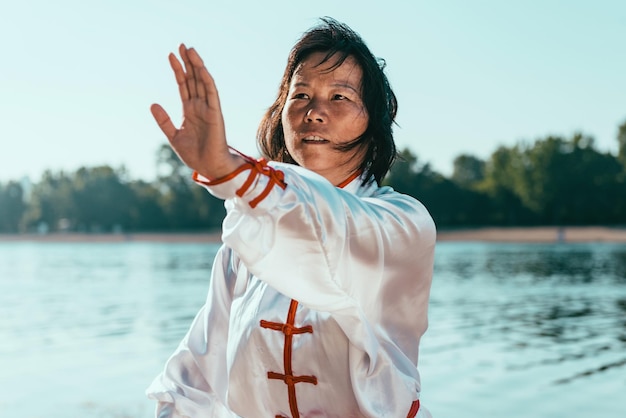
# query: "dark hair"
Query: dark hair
{"points": [[337, 39]]}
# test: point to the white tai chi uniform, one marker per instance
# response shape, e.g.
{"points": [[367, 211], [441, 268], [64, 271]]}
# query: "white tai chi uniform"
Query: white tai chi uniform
{"points": [[317, 303]]}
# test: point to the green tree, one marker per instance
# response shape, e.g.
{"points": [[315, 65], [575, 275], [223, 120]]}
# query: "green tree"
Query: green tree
{"points": [[448, 203], [51, 201], [621, 141], [12, 207], [186, 205], [558, 181], [468, 170], [102, 199], [146, 213], [502, 185]]}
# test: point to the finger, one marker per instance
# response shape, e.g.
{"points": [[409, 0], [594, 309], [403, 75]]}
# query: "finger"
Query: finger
{"points": [[209, 86], [198, 66], [191, 77], [179, 73], [163, 120]]}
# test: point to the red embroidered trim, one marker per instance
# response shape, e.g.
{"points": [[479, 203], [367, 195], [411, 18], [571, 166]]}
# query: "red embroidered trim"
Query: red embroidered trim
{"points": [[290, 380], [256, 167], [415, 407], [275, 177], [224, 179]]}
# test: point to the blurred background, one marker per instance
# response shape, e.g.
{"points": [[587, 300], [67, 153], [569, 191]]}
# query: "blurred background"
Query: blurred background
{"points": [[511, 114]]}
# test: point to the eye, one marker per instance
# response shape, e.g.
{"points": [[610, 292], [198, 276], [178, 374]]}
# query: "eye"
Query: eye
{"points": [[300, 96], [339, 97]]}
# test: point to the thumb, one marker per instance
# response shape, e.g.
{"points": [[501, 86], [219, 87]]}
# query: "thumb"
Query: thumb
{"points": [[163, 120]]}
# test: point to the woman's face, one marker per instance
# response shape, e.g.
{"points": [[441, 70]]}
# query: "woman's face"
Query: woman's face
{"points": [[325, 109]]}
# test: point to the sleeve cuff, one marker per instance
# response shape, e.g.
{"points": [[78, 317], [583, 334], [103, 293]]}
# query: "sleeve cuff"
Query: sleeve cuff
{"points": [[237, 183]]}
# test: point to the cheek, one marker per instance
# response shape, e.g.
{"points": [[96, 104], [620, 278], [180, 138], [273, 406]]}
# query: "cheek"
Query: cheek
{"points": [[288, 128], [365, 120], [286, 118], [360, 123]]}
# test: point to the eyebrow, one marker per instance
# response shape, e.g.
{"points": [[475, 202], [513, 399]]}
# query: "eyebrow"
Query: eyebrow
{"points": [[345, 85]]}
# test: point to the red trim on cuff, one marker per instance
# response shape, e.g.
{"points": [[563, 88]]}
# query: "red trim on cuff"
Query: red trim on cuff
{"points": [[275, 177], [246, 185], [224, 179], [256, 167]]}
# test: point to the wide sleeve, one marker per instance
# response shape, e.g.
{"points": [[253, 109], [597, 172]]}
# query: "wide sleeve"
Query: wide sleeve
{"points": [[194, 381]]}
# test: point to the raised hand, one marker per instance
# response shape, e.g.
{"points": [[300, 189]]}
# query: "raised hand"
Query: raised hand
{"points": [[200, 142]]}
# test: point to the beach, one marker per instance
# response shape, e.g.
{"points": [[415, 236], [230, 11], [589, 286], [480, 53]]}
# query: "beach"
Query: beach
{"points": [[487, 234], [536, 234]]}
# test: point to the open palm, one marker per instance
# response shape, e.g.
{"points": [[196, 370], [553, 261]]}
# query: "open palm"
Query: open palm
{"points": [[200, 142]]}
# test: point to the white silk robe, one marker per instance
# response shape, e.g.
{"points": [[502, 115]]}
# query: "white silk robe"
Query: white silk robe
{"points": [[316, 306]]}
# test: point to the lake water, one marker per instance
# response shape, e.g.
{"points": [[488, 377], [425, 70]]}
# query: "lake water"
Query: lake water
{"points": [[515, 330]]}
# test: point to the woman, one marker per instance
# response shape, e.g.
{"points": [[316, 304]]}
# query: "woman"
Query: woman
{"points": [[318, 297]]}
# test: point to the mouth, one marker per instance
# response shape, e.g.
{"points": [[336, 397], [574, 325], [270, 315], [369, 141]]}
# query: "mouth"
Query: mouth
{"points": [[314, 139]]}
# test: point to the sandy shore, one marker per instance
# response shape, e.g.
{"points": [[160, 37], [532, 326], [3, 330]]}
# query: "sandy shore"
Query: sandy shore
{"points": [[182, 237], [530, 234], [536, 234]]}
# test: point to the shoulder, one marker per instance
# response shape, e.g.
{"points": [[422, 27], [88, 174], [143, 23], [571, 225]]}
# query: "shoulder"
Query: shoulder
{"points": [[405, 209]]}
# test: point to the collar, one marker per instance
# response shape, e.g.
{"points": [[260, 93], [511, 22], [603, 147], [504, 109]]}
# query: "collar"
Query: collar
{"points": [[353, 184]]}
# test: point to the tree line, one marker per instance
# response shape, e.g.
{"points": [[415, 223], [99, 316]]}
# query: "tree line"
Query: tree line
{"points": [[551, 181], [104, 199]]}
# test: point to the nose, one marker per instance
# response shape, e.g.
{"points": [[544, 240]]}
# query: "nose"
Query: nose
{"points": [[315, 113]]}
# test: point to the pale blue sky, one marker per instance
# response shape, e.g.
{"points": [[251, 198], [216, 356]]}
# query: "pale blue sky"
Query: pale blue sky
{"points": [[77, 77]]}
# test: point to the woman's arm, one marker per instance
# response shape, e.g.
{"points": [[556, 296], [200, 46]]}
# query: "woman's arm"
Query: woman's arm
{"points": [[323, 246]]}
